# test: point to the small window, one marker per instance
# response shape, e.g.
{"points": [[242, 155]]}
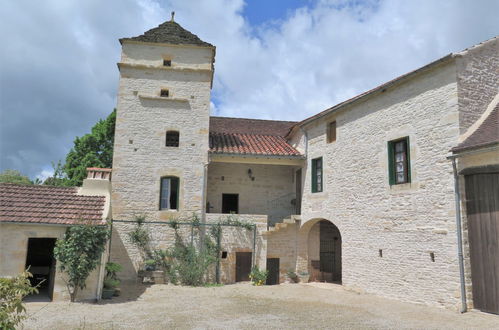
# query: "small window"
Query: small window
{"points": [[331, 132], [167, 62], [164, 93], [169, 193], [399, 164], [317, 175], [172, 139]]}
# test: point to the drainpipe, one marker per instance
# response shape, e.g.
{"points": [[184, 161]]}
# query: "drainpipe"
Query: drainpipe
{"points": [[457, 196]]}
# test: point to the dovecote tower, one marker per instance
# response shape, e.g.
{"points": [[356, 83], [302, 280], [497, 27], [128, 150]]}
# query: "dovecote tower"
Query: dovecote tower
{"points": [[161, 139]]}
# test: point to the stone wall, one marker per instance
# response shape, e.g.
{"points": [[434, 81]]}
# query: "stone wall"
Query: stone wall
{"points": [[143, 117], [271, 192], [406, 221], [282, 244], [14, 248], [478, 80]]}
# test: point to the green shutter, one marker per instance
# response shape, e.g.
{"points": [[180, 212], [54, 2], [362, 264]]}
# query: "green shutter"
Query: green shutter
{"points": [[322, 175], [408, 160], [314, 175], [391, 164]]}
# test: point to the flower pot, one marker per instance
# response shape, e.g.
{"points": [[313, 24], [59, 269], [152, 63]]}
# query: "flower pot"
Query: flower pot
{"points": [[107, 293], [158, 277], [304, 278]]}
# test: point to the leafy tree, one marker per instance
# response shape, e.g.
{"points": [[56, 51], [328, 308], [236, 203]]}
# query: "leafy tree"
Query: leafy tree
{"points": [[91, 150], [79, 253], [14, 176], [59, 178], [12, 292]]}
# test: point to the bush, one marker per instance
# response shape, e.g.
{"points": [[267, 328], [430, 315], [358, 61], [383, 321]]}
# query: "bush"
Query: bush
{"points": [[12, 292], [293, 276], [257, 276], [79, 253], [111, 280]]}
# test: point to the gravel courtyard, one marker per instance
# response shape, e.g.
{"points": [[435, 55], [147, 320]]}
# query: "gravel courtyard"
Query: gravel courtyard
{"points": [[242, 306]]}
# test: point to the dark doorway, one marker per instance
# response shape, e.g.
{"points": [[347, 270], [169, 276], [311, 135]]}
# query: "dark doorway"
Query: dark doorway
{"points": [[243, 266], [273, 269], [482, 207], [230, 203], [330, 252], [41, 262], [298, 192]]}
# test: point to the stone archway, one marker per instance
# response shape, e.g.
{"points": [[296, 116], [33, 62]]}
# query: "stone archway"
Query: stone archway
{"points": [[320, 251]]}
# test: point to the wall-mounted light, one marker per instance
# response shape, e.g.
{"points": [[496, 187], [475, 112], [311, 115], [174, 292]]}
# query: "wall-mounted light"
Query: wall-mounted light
{"points": [[250, 174]]}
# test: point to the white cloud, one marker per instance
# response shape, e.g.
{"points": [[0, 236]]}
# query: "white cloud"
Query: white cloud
{"points": [[59, 75]]}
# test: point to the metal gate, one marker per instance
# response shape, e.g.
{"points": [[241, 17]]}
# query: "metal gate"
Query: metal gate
{"points": [[482, 208]]}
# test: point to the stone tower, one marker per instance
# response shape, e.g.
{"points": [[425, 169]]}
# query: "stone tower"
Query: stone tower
{"points": [[161, 139]]}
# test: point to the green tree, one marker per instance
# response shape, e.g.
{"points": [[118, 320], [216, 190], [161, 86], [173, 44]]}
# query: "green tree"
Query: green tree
{"points": [[79, 253], [59, 178], [91, 150], [12, 292], [14, 176]]}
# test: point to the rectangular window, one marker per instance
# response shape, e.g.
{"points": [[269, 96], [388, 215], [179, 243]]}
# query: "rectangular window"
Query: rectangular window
{"points": [[167, 62], [172, 139], [331, 132], [399, 163], [317, 175], [169, 193], [164, 93]]}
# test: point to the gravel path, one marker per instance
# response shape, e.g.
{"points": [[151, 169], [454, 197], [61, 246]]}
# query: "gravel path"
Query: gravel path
{"points": [[242, 306]]}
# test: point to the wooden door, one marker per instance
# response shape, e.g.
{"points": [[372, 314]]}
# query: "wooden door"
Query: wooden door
{"points": [[273, 271], [243, 266], [482, 208]]}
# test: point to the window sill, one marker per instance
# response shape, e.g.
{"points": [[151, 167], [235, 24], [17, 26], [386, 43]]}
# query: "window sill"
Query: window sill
{"points": [[162, 98], [404, 187]]}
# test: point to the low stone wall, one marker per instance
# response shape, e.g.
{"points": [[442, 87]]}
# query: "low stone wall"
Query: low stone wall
{"points": [[162, 236]]}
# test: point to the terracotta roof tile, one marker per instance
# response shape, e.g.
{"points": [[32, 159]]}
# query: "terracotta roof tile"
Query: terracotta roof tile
{"points": [[47, 204], [485, 135], [250, 137]]}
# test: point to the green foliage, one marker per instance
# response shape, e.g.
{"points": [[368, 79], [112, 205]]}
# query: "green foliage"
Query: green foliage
{"points": [[257, 276], [12, 292], [111, 280], [234, 220], [91, 150], [59, 178], [187, 265], [79, 253], [140, 237], [14, 176], [110, 283]]}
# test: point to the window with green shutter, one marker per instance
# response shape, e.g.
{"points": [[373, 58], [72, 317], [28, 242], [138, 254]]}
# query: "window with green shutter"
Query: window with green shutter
{"points": [[399, 161], [317, 176]]}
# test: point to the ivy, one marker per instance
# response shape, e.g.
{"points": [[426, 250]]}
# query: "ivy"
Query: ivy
{"points": [[79, 253]]}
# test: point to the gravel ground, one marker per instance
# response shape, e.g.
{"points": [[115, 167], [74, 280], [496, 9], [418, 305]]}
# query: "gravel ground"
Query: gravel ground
{"points": [[242, 306]]}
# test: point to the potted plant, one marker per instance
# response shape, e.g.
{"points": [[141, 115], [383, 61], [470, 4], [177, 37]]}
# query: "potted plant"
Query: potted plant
{"points": [[150, 265], [293, 277], [111, 280], [257, 276], [304, 277]]}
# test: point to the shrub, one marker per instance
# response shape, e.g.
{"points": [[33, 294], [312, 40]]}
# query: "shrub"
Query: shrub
{"points": [[12, 292], [111, 280], [293, 276], [79, 253], [257, 276]]}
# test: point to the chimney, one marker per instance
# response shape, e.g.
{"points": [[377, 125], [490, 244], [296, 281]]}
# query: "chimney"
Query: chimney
{"points": [[98, 183]]}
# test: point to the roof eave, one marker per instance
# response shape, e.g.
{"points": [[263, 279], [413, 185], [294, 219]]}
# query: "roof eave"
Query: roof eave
{"points": [[379, 89]]}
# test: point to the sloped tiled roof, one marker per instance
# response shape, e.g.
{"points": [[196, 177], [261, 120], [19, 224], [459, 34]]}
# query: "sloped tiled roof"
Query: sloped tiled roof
{"points": [[486, 134], [47, 204], [243, 136], [170, 33]]}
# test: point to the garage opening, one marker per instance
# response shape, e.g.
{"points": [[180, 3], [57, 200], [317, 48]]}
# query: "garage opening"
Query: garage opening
{"points": [[41, 262], [325, 252]]}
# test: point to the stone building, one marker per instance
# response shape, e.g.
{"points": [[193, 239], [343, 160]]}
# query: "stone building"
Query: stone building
{"points": [[33, 217], [361, 194]]}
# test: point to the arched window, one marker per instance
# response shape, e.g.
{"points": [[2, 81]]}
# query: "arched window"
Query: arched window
{"points": [[169, 193], [172, 138]]}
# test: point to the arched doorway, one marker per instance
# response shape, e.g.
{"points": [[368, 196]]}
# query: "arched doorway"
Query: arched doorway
{"points": [[324, 252]]}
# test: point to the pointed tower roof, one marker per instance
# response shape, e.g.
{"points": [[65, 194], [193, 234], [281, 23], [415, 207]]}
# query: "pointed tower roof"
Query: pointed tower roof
{"points": [[169, 33]]}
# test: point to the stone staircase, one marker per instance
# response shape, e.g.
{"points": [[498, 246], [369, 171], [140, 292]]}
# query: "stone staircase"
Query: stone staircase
{"points": [[293, 220]]}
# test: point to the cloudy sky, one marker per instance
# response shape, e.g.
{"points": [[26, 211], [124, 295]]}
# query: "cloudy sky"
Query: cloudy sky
{"points": [[279, 59]]}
